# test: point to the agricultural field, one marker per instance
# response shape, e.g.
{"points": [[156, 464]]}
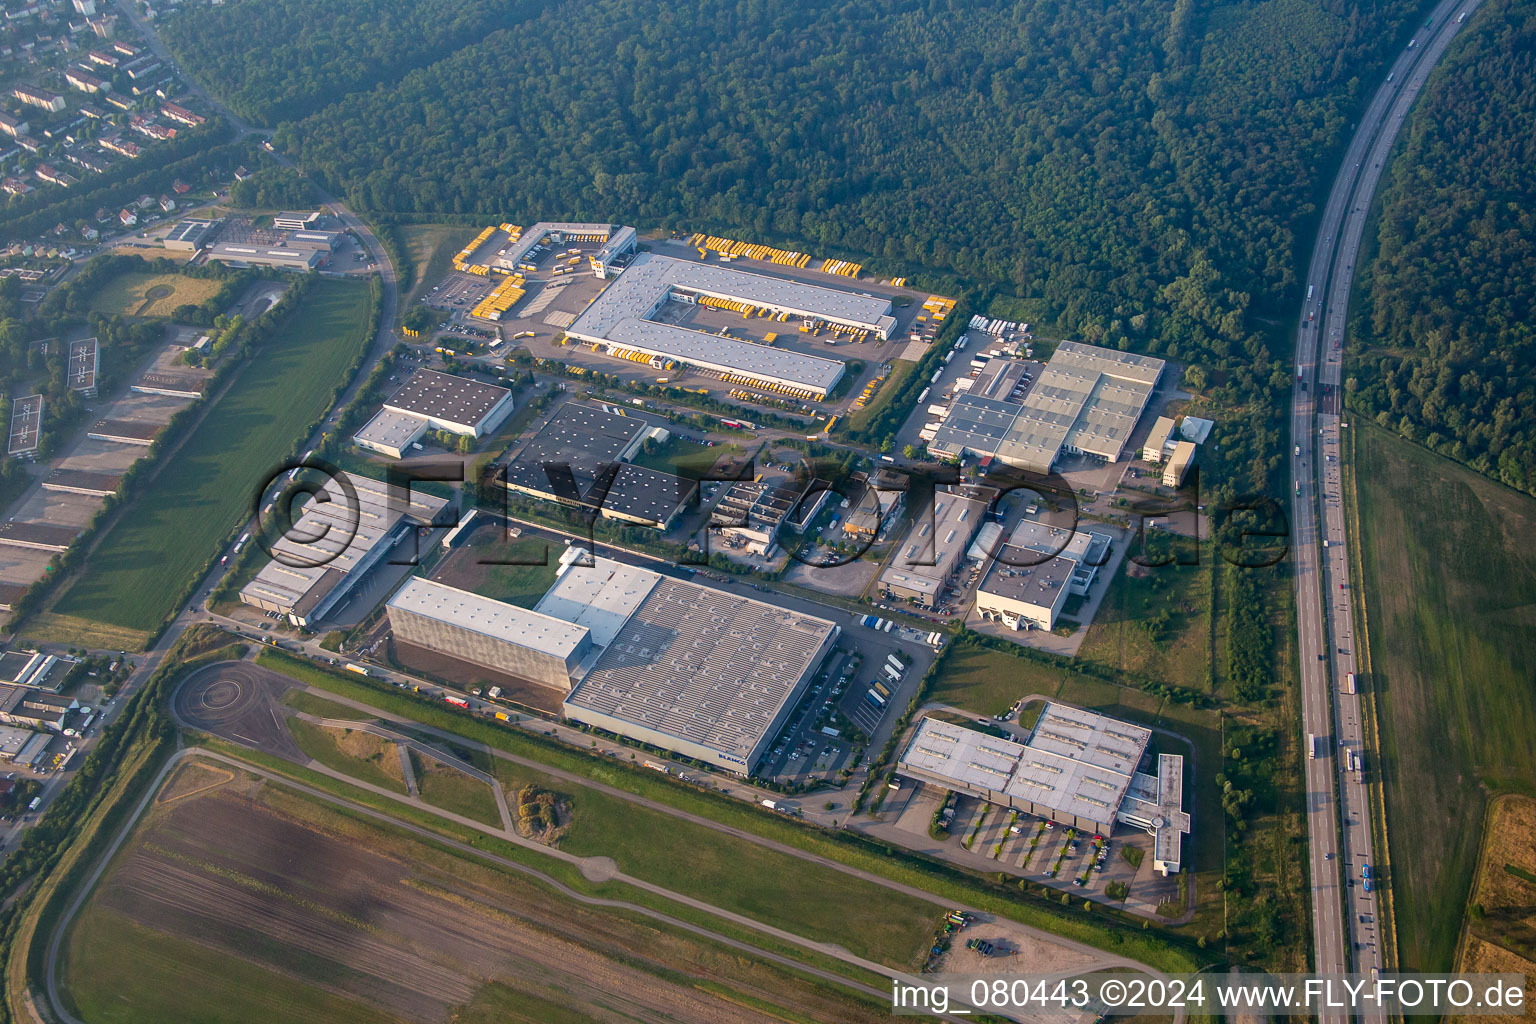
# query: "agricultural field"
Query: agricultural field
{"points": [[143, 563], [139, 293], [1450, 590], [1501, 930], [240, 901]]}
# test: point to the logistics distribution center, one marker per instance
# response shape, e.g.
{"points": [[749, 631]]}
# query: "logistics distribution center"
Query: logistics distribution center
{"points": [[595, 446], [431, 400], [686, 668], [1086, 402], [618, 322], [1077, 767], [344, 531]]}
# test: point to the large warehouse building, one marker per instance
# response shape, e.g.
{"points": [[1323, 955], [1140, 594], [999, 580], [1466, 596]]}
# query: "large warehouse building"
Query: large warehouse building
{"points": [[619, 322], [432, 400], [354, 534], [682, 667], [499, 636], [592, 442], [1077, 767], [697, 671], [1087, 401]]}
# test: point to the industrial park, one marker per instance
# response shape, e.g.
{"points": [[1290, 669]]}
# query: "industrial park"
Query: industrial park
{"points": [[953, 534]]}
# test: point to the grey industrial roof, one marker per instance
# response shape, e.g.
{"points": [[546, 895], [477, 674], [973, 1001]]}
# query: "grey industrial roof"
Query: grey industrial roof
{"points": [[1020, 574], [1088, 398], [391, 429], [1157, 803], [445, 396], [713, 352], [944, 538], [514, 253], [618, 316], [974, 423], [1075, 762], [1161, 431], [495, 619], [265, 254], [344, 532], [702, 665], [643, 494], [192, 231]]}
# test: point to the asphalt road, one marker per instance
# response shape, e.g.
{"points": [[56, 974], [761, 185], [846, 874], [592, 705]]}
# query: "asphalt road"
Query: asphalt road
{"points": [[1345, 919]]}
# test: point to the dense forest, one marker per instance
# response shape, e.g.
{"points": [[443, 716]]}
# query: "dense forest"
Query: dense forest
{"points": [[1134, 172], [1448, 336]]}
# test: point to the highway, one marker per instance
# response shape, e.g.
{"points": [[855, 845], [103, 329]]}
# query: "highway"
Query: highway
{"points": [[1345, 916]]}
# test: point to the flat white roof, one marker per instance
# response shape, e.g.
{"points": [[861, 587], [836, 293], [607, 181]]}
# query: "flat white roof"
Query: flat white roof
{"points": [[598, 594], [715, 352], [1075, 762], [650, 277], [495, 619]]}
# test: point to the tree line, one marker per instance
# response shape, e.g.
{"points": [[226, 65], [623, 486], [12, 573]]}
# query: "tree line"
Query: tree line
{"points": [[1447, 339]]}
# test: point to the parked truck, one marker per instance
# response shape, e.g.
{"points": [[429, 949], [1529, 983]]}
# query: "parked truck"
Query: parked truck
{"points": [[772, 805]]}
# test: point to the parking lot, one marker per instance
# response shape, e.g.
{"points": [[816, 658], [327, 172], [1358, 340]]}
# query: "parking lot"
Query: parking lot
{"points": [[838, 702], [989, 838]]}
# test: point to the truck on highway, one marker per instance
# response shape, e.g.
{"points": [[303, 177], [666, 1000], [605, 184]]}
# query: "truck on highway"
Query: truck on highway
{"points": [[772, 805], [359, 669], [458, 702], [653, 766], [1309, 292], [1349, 682], [1316, 747]]}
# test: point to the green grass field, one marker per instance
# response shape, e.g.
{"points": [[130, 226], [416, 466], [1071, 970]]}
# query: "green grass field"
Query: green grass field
{"points": [[1131, 633], [129, 974], [474, 567], [1450, 587], [768, 886], [325, 745], [901, 369], [309, 703], [1149, 948], [136, 293], [988, 682], [143, 563], [446, 787]]}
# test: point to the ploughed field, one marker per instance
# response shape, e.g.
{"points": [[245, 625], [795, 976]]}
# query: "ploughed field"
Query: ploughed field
{"points": [[240, 901]]}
